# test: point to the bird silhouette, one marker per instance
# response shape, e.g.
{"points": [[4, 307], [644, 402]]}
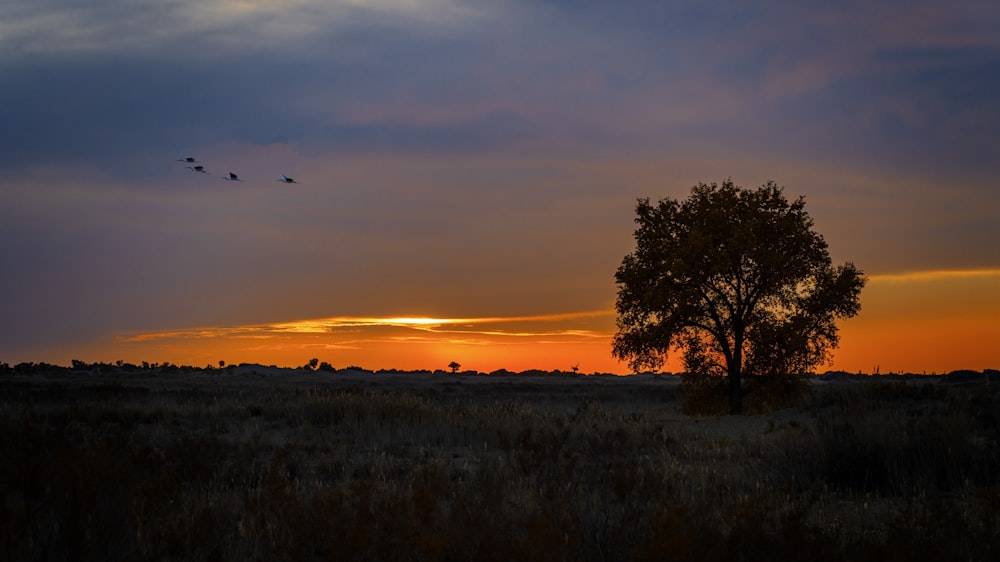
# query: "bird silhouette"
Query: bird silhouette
{"points": [[188, 159], [198, 168], [286, 179], [232, 177]]}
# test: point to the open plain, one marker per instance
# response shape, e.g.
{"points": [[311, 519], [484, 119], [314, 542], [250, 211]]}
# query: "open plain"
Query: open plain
{"points": [[258, 463]]}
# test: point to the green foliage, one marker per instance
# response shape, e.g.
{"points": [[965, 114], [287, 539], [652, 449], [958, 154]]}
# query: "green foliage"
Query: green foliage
{"points": [[737, 280]]}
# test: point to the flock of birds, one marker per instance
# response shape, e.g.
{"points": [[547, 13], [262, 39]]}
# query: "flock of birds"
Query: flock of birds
{"points": [[194, 166]]}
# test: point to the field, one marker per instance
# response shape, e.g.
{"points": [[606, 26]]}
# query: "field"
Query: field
{"points": [[250, 463]]}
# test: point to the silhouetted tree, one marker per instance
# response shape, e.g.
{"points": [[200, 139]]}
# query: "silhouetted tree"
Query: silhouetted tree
{"points": [[736, 280], [454, 366]]}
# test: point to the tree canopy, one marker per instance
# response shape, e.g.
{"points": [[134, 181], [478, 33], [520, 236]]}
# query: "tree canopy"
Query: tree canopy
{"points": [[737, 281]]}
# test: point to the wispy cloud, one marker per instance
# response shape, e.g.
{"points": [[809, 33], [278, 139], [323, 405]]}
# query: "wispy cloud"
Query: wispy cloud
{"points": [[30, 27], [935, 275], [458, 329]]}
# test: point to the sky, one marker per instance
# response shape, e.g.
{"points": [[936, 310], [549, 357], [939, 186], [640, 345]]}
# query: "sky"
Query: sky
{"points": [[467, 172]]}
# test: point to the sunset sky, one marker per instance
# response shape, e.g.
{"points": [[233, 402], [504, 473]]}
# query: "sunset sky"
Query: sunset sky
{"points": [[467, 172]]}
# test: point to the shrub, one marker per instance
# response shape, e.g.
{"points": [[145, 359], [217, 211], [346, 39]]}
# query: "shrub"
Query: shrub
{"points": [[709, 396]]}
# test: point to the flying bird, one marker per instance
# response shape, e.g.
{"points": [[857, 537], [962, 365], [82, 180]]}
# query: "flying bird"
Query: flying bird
{"points": [[198, 168], [232, 177], [189, 160], [286, 179]]}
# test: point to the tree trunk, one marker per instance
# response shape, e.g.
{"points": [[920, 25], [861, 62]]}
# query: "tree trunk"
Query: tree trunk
{"points": [[735, 368], [735, 392]]}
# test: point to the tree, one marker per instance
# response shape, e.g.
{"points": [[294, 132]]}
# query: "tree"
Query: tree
{"points": [[734, 279], [454, 366]]}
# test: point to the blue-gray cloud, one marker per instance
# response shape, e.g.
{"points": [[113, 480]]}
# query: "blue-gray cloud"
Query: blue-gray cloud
{"points": [[858, 81]]}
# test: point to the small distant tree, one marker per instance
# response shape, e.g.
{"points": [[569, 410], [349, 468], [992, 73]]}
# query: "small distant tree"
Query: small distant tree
{"points": [[313, 363], [454, 366], [222, 364], [734, 279]]}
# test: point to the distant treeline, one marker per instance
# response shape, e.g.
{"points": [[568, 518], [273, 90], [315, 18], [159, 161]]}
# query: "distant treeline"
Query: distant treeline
{"points": [[957, 376], [312, 365]]}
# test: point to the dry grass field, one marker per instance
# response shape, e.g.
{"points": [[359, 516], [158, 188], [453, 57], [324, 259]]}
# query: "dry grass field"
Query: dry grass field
{"points": [[251, 463]]}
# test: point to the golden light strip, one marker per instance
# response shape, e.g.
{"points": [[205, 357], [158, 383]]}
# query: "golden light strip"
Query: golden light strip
{"points": [[327, 325], [935, 275]]}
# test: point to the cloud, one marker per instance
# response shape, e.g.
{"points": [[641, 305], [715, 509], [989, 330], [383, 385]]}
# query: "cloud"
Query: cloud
{"points": [[47, 27], [514, 326], [409, 76], [936, 275], [93, 98]]}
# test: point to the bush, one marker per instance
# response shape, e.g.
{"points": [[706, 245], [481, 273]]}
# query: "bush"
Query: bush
{"points": [[704, 395], [709, 395]]}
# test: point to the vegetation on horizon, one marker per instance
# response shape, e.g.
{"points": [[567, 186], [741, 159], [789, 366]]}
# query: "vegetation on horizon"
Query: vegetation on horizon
{"points": [[30, 367]]}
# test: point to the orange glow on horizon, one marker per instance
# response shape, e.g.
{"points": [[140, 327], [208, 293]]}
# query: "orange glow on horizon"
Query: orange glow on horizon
{"points": [[932, 321], [927, 321], [547, 341]]}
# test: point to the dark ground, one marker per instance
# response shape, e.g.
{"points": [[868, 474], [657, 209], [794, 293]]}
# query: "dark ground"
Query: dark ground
{"points": [[254, 462]]}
